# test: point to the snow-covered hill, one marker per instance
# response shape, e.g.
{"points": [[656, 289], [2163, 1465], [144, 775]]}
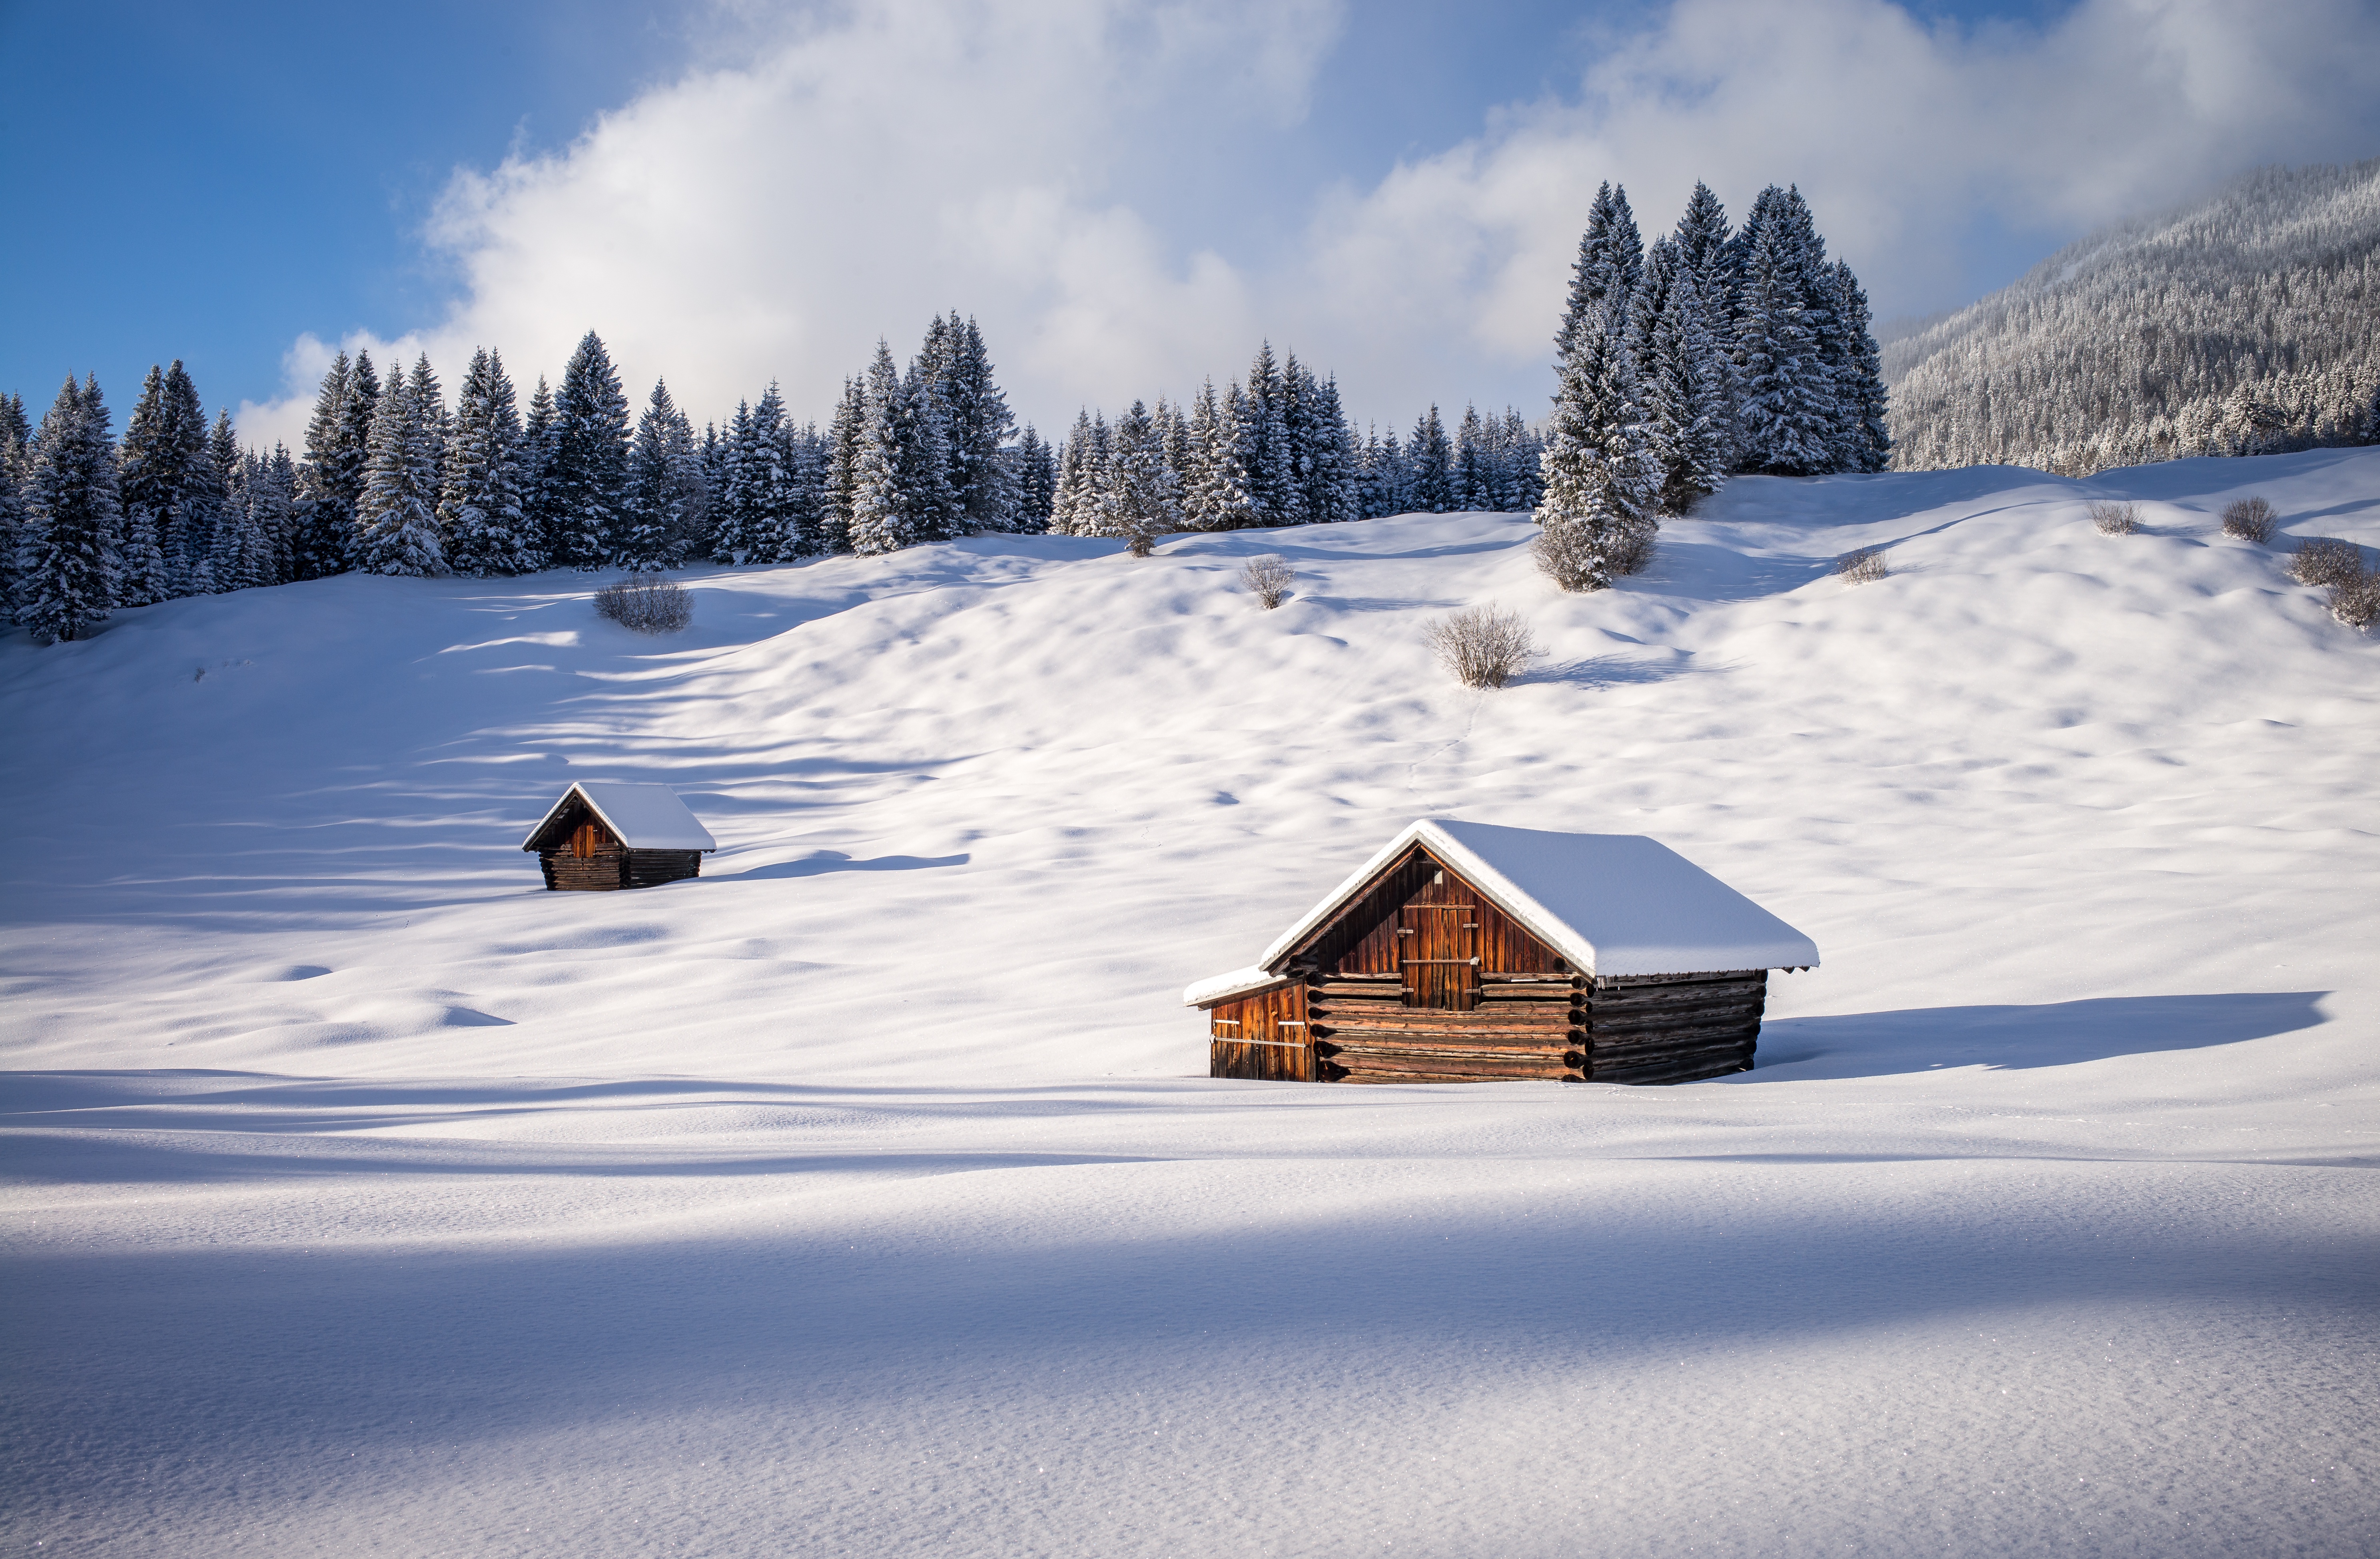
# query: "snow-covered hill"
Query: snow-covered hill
{"points": [[866, 1195]]}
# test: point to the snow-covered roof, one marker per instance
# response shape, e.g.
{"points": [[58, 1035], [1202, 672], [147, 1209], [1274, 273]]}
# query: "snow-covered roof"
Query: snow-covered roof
{"points": [[645, 817], [1223, 987], [1611, 903]]}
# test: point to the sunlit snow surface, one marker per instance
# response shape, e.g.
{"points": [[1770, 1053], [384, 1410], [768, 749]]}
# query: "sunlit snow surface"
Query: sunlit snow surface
{"points": [[867, 1197]]}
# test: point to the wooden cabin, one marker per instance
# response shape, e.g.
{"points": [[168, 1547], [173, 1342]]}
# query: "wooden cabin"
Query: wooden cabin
{"points": [[610, 834], [1463, 952]]}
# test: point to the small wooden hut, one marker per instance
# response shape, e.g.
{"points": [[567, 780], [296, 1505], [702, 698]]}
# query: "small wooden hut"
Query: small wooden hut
{"points": [[1463, 952], [611, 834]]}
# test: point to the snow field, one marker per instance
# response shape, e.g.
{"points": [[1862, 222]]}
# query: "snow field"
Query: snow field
{"points": [[866, 1196]]}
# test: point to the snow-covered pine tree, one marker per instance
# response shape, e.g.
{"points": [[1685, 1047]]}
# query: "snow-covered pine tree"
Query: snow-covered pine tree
{"points": [[1601, 481], [882, 519], [801, 506], [738, 520], [1862, 399], [350, 463], [271, 506], [1683, 390], [1429, 461], [16, 459], [233, 560], [1262, 443], [659, 462], [479, 502], [1385, 486], [1331, 462], [1610, 259], [1787, 411], [1142, 501], [1213, 497], [1100, 513], [151, 469], [770, 487], [72, 514], [590, 480], [1070, 505], [839, 482], [1297, 436], [396, 520], [931, 501], [1037, 483], [1704, 253], [983, 484], [188, 534], [540, 498], [319, 539], [1470, 480]]}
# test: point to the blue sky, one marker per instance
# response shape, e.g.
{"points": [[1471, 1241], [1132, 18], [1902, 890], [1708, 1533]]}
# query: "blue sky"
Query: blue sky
{"points": [[1390, 187]]}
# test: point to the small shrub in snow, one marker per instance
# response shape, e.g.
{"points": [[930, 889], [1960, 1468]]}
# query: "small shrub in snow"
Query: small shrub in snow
{"points": [[2356, 601], [2325, 560], [647, 603], [2252, 519], [1630, 549], [1862, 567], [1268, 579], [1484, 647], [2116, 520]]}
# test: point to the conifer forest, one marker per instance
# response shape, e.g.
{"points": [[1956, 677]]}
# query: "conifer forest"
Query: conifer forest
{"points": [[2243, 325]]}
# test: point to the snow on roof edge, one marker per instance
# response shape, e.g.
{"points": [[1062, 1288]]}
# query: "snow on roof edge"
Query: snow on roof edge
{"points": [[1223, 987], [640, 815], [1790, 950]]}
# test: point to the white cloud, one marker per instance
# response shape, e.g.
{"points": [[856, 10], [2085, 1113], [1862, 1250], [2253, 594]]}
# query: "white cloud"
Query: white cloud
{"points": [[1068, 170]]}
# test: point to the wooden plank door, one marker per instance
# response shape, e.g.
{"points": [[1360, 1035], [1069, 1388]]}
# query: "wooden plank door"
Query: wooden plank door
{"points": [[1439, 930]]}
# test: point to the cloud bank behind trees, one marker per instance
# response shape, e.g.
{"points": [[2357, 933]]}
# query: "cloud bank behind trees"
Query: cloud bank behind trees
{"points": [[1124, 193]]}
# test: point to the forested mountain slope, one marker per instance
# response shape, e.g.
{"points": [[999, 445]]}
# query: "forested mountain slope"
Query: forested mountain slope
{"points": [[2246, 324]]}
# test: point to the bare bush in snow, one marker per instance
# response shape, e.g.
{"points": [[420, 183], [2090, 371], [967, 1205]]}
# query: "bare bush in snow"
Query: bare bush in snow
{"points": [[2356, 601], [1268, 579], [1630, 548], [1484, 647], [647, 603], [1862, 567], [2325, 560], [2250, 519], [2116, 520]]}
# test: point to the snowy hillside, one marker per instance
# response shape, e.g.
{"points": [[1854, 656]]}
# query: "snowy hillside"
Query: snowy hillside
{"points": [[2241, 324], [867, 1196]]}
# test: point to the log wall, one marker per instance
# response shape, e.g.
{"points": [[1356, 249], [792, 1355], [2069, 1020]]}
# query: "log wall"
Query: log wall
{"points": [[1264, 1038]]}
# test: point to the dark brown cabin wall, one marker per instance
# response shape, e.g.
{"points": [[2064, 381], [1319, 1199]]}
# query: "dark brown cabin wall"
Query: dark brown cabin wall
{"points": [[648, 868], [1674, 1028], [1263, 1038]]}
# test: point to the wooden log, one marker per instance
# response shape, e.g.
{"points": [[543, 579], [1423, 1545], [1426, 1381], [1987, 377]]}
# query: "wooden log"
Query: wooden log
{"points": [[1672, 1034], [1485, 1053], [1371, 1076], [1654, 997], [1632, 981], [1695, 1069], [1423, 1018], [1619, 1069], [1371, 1034]]}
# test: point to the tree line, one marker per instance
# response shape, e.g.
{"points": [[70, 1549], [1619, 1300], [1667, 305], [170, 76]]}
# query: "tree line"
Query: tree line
{"points": [[1278, 450], [1713, 352]]}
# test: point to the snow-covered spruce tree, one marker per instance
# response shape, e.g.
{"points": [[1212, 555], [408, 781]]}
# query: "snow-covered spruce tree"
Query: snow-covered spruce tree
{"points": [[1601, 481], [323, 520], [540, 499], [882, 519], [1429, 462], [925, 446], [1788, 411], [1216, 497], [1472, 479], [235, 560], [839, 481], [1611, 260], [351, 469], [1704, 253], [152, 467], [1385, 485], [1095, 510], [664, 479], [267, 487], [1683, 389], [1262, 443], [979, 425], [480, 500], [1863, 402], [1142, 501], [1037, 482], [769, 485], [16, 460], [72, 518], [589, 475], [397, 519], [739, 516], [1071, 500], [1331, 455]]}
